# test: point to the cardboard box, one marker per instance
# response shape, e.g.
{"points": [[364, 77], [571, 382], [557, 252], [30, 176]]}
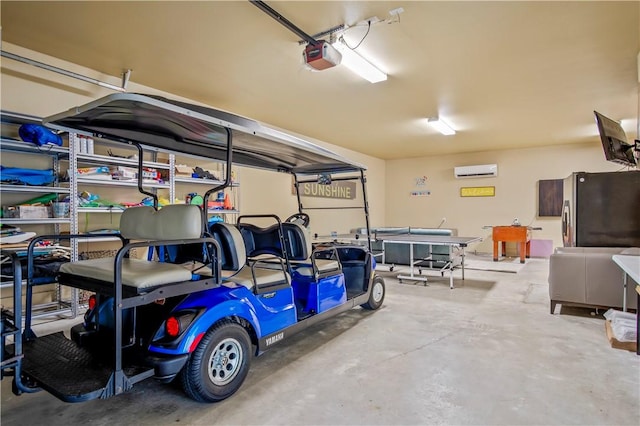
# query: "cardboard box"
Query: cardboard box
{"points": [[124, 173], [615, 343], [26, 212], [183, 170]]}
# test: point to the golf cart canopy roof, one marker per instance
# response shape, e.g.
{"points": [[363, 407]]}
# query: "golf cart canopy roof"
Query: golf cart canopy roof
{"points": [[164, 124]]}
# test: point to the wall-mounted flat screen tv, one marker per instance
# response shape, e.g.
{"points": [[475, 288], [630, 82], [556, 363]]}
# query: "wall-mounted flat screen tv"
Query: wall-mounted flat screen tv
{"points": [[614, 141]]}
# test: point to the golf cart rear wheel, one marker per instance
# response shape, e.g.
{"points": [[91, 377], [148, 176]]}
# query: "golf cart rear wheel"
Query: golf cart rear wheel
{"points": [[376, 297], [219, 365]]}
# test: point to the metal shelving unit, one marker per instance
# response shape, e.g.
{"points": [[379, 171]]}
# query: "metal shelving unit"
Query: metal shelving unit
{"points": [[56, 154], [209, 183], [79, 181]]}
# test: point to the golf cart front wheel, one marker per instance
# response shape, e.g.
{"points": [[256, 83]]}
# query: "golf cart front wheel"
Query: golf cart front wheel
{"points": [[376, 296]]}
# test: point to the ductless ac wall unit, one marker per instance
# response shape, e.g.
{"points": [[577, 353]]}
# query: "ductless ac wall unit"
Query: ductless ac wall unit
{"points": [[481, 170]]}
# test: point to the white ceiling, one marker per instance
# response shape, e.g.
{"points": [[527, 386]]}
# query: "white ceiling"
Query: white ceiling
{"points": [[504, 74]]}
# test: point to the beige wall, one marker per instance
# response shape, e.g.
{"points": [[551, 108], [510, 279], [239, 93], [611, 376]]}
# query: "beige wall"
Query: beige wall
{"points": [[30, 90], [519, 171]]}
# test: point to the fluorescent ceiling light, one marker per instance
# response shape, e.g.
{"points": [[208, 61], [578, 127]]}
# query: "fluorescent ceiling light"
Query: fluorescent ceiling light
{"points": [[441, 126], [358, 64]]}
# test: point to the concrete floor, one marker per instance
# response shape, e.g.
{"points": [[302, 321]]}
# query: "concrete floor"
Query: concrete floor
{"points": [[487, 352]]}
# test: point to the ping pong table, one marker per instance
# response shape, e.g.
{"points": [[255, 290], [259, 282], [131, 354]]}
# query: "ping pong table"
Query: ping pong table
{"points": [[412, 240]]}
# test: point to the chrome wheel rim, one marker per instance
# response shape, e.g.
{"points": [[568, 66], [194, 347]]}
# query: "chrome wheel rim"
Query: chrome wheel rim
{"points": [[225, 361], [377, 292]]}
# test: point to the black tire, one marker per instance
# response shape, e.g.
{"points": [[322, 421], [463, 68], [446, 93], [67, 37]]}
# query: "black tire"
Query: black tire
{"points": [[228, 344], [376, 296]]}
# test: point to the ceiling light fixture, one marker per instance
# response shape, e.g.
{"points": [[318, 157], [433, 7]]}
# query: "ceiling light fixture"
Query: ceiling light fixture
{"points": [[358, 64], [441, 126]]}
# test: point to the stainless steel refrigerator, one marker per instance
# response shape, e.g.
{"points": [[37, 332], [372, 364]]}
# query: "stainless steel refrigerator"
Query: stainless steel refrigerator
{"points": [[601, 209]]}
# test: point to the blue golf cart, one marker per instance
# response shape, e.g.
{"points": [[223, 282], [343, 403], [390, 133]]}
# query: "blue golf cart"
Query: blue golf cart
{"points": [[210, 296]]}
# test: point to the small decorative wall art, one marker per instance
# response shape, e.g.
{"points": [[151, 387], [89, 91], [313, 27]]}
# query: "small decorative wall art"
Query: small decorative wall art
{"points": [[420, 181]]}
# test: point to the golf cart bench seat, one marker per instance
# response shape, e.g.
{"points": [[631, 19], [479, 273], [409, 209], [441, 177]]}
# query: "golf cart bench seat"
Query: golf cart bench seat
{"points": [[259, 241], [256, 274], [259, 277], [324, 266], [135, 272], [173, 222], [296, 242]]}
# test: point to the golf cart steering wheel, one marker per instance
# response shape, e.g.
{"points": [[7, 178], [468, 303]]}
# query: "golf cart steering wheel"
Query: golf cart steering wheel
{"points": [[300, 218]]}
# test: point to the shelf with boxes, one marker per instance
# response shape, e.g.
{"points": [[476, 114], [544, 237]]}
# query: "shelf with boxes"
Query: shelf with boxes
{"points": [[105, 183], [35, 201], [30, 169], [190, 182], [31, 182], [104, 167]]}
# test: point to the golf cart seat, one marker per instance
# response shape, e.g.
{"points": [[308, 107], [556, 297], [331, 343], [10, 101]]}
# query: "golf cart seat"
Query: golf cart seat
{"points": [[297, 248], [253, 273], [171, 223], [320, 261]]}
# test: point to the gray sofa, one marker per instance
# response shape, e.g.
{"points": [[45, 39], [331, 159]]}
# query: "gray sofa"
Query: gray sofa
{"points": [[398, 254], [587, 276]]}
